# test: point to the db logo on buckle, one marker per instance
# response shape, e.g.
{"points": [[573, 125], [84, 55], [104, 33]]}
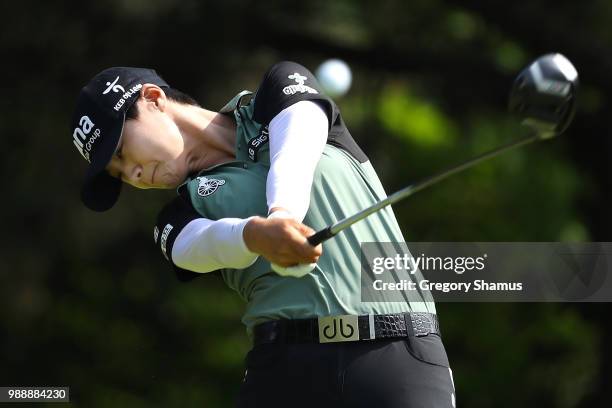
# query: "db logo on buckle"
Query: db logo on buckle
{"points": [[338, 328]]}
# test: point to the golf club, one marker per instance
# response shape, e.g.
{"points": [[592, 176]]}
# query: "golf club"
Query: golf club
{"points": [[543, 97]]}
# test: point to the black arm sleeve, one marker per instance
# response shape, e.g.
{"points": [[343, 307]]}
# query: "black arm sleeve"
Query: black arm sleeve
{"points": [[170, 222], [286, 83]]}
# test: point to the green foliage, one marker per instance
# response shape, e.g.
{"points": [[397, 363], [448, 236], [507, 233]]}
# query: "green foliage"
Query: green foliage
{"points": [[407, 116]]}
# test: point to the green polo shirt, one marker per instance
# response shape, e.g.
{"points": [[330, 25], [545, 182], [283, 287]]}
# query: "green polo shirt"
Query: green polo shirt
{"points": [[344, 183]]}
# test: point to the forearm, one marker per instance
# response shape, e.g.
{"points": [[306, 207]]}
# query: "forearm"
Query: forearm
{"points": [[205, 245]]}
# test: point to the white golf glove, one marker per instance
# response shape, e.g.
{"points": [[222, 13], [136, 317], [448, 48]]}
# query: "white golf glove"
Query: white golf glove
{"points": [[296, 271]]}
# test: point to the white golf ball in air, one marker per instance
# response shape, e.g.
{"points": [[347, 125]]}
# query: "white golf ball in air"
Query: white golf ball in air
{"points": [[335, 77]]}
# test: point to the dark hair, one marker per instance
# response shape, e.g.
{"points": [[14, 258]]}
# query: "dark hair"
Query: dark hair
{"points": [[172, 94]]}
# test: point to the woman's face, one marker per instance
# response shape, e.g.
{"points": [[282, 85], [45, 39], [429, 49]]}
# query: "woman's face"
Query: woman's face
{"points": [[151, 152]]}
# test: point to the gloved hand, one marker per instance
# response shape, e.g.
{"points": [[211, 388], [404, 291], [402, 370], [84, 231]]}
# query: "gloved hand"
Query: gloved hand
{"points": [[296, 271]]}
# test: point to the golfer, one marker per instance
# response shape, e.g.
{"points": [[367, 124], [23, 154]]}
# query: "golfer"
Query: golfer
{"points": [[253, 181]]}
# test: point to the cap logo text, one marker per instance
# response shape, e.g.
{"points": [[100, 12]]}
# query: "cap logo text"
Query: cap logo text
{"points": [[115, 88], [83, 142], [127, 95]]}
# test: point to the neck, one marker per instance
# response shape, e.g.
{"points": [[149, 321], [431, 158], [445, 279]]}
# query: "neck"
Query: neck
{"points": [[210, 137]]}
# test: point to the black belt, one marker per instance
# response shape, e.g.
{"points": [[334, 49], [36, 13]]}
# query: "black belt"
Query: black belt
{"points": [[343, 328]]}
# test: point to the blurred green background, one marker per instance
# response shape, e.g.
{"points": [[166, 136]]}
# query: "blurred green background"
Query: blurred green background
{"points": [[85, 299]]}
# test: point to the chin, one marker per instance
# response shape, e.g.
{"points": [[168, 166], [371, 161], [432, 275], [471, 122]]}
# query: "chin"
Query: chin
{"points": [[173, 180]]}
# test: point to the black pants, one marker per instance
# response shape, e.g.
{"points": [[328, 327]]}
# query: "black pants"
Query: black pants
{"points": [[410, 372]]}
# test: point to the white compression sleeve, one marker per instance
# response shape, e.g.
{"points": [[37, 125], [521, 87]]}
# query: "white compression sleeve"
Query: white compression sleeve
{"points": [[297, 137], [205, 245]]}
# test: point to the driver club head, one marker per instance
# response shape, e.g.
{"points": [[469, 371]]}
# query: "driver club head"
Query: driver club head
{"points": [[543, 95]]}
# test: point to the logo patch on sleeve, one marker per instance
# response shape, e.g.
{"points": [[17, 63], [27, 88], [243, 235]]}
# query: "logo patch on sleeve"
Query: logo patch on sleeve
{"points": [[257, 142], [164, 239], [208, 186], [300, 87]]}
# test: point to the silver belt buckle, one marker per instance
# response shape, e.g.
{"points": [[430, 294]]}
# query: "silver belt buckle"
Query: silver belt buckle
{"points": [[334, 329]]}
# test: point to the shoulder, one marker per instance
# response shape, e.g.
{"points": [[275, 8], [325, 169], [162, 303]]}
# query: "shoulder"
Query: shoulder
{"points": [[171, 220], [284, 84]]}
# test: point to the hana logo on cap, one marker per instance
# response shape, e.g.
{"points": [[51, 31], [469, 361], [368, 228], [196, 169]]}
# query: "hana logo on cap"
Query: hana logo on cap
{"points": [[82, 139], [115, 88]]}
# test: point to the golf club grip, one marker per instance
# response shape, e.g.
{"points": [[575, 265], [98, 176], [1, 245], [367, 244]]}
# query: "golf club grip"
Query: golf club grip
{"points": [[320, 236]]}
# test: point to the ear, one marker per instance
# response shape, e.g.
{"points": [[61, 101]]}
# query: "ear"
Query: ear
{"points": [[154, 96]]}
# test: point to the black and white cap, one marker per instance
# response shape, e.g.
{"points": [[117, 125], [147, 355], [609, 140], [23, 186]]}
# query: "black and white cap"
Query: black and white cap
{"points": [[97, 125]]}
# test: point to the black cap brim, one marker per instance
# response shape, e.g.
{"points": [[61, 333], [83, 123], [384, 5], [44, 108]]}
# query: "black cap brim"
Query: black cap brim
{"points": [[100, 190]]}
